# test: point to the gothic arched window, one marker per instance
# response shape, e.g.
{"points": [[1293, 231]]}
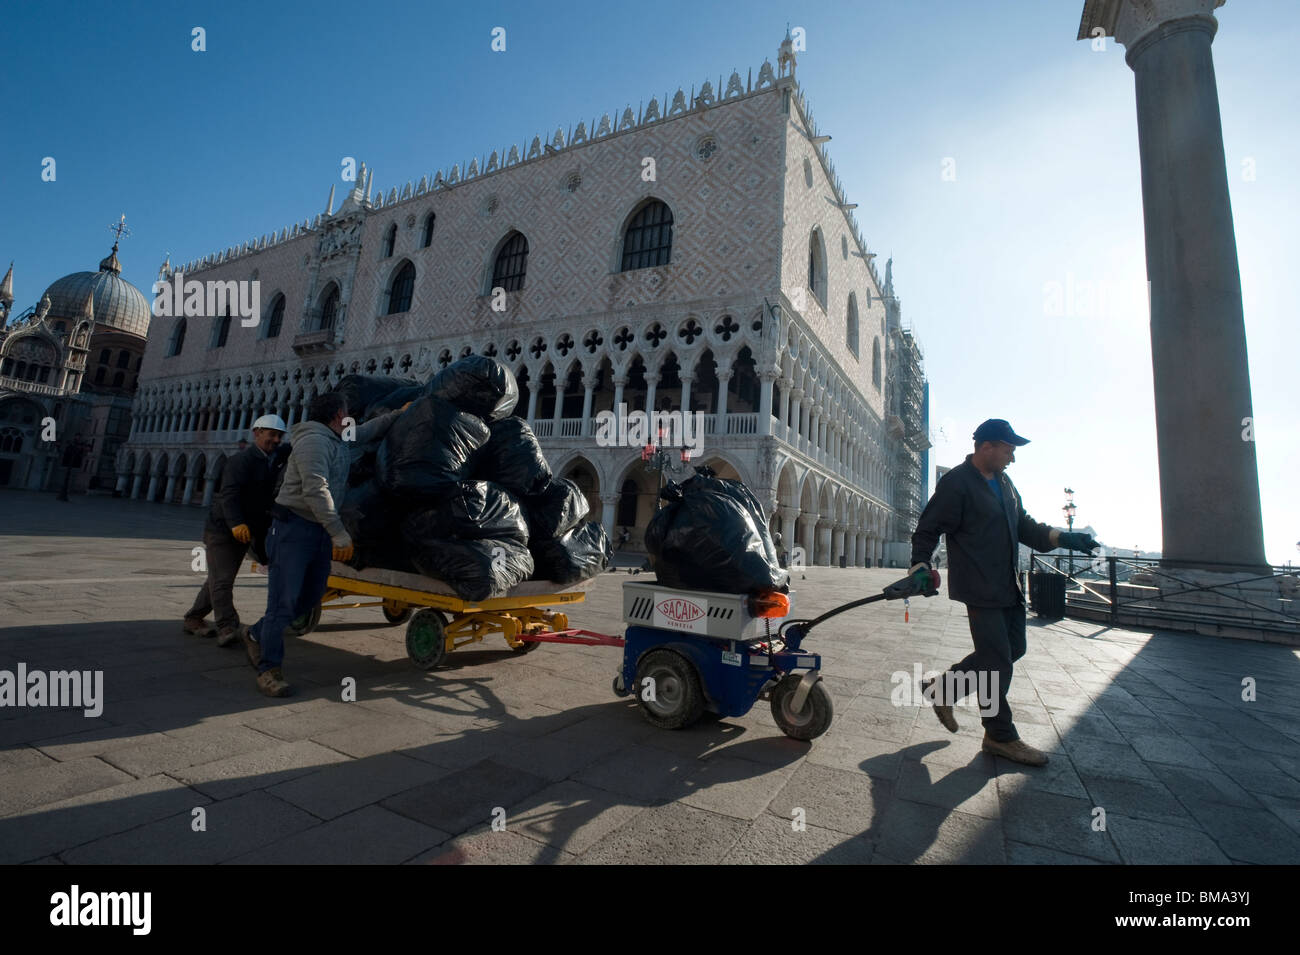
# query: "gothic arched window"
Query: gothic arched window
{"points": [[851, 326], [276, 320], [817, 266], [390, 240], [403, 286], [875, 363], [177, 341], [648, 241], [511, 263], [329, 308], [426, 238]]}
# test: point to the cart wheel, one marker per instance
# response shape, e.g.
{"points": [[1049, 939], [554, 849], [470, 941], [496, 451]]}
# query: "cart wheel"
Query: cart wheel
{"points": [[426, 639], [619, 688], [528, 646], [811, 721], [677, 699], [395, 616], [301, 626]]}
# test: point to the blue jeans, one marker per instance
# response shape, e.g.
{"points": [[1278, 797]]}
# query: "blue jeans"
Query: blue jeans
{"points": [[300, 552]]}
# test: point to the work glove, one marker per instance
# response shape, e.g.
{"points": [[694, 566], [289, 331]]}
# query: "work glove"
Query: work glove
{"points": [[343, 553], [241, 533], [1077, 541], [921, 572]]}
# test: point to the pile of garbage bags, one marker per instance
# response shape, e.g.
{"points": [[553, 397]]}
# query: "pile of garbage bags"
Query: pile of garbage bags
{"points": [[712, 535], [458, 489]]}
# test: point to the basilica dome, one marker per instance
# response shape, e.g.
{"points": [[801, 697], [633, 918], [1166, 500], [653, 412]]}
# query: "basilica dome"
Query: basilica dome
{"points": [[117, 303]]}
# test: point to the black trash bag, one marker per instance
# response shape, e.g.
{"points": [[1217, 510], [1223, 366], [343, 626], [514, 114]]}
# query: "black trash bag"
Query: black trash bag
{"points": [[709, 538], [393, 400], [513, 458], [374, 522], [472, 510], [429, 447], [555, 511], [477, 384], [361, 391], [582, 553], [475, 569]]}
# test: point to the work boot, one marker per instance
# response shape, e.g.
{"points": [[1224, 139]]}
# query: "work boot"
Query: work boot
{"points": [[252, 646], [198, 627], [271, 683], [233, 635], [1016, 750], [944, 713]]}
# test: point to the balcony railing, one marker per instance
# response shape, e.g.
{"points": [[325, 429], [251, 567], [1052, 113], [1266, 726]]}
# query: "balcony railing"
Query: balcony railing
{"points": [[31, 387]]}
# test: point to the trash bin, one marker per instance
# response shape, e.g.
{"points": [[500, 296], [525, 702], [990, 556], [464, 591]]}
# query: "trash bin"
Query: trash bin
{"points": [[844, 561], [1047, 594]]}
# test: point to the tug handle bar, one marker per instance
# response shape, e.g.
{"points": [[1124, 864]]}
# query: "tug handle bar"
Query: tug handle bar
{"points": [[909, 586]]}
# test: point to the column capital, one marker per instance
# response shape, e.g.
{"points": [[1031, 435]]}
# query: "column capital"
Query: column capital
{"points": [[1134, 23]]}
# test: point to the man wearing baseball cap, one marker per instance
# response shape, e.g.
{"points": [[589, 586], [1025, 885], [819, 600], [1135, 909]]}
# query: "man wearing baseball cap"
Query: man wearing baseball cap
{"points": [[977, 507], [240, 518]]}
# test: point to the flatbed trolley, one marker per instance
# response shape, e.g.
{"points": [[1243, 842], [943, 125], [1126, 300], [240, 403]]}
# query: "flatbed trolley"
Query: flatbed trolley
{"points": [[438, 621]]}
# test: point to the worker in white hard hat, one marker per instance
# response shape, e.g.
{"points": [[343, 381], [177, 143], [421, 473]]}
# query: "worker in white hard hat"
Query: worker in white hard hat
{"points": [[239, 519]]}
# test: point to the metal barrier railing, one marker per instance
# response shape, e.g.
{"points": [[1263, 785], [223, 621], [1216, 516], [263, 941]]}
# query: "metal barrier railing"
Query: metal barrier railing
{"points": [[1250, 613]]}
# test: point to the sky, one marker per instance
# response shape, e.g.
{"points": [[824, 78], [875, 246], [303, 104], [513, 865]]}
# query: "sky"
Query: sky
{"points": [[203, 150]]}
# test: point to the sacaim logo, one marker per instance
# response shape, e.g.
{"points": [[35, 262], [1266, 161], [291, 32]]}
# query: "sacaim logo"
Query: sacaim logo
{"points": [[680, 610]]}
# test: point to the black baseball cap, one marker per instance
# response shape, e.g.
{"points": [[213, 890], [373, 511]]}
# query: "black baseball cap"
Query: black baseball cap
{"points": [[996, 429]]}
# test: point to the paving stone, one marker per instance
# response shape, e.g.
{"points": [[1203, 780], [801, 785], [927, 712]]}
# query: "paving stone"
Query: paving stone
{"points": [[234, 827], [773, 841], [485, 846], [967, 789], [259, 769], [1020, 853], [1139, 798], [458, 800], [832, 799], [571, 816], [1056, 822], [913, 832], [1147, 842], [22, 757], [669, 834], [1193, 786], [1249, 835], [58, 826], [26, 789], [1167, 748], [95, 742], [1101, 758], [170, 754], [346, 786], [369, 836]]}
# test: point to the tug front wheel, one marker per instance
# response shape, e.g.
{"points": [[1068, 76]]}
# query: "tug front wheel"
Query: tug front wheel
{"points": [[810, 720]]}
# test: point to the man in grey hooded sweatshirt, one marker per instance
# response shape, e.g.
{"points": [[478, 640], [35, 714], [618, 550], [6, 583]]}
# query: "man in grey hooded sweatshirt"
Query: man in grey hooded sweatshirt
{"points": [[307, 533]]}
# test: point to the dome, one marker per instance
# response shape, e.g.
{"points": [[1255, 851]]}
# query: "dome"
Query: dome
{"points": [[117, 303]]}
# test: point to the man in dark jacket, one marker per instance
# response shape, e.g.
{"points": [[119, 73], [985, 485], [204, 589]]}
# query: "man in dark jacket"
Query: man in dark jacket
{"points": [[977, 507], [240, 517]]}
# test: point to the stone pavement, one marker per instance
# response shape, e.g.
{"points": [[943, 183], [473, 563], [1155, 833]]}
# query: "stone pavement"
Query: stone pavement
{"points": [[1149, 728]]}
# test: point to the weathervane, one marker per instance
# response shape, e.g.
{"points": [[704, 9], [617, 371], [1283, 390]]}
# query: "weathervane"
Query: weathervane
{"points": [[120, 230]]}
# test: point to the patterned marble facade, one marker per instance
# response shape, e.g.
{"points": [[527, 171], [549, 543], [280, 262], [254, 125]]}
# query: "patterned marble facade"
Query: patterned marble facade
{"points": [[768, 317]]}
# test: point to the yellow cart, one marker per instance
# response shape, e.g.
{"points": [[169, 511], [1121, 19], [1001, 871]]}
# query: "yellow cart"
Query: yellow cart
{"points": [[438, 621]]}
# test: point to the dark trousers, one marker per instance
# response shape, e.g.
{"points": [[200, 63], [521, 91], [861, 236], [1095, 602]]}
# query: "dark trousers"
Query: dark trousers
{"points": [[224, 555], [999, 637], [300, 553]]}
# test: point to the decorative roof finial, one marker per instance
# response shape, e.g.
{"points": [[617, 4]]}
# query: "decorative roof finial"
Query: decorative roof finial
{"points": [[165, 269], [43, 307], [111, 264], [329, 206], [7, 288], [785, 54]]}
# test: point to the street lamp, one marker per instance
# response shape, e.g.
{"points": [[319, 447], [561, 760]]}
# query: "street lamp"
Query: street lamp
{"points": [[658, 458], [1070, 510]]}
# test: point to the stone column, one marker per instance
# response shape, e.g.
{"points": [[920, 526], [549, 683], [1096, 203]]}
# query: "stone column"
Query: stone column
{"points": [[533, 389], [608, 508], [135, 486], [186, 489], [824, 544], [171, 486], [796, 399], [807, 535], [619, 383], [789, 529], [651, 387], [588, 389], [559, 408], [723, 378], [1209, 502], [687, 380], [209, 486], [153, 487], [766, 378], [837, 544]]}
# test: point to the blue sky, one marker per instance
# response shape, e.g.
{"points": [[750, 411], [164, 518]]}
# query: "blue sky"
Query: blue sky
{"points": [[206, 150]]}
